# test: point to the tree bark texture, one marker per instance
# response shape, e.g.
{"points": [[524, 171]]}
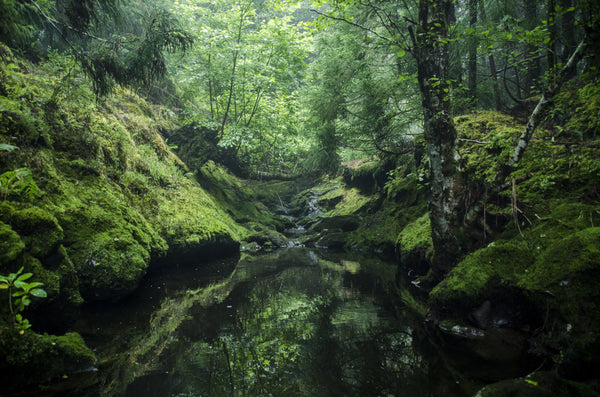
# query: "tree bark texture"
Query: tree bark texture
{"points": [[533, 69], [431, 53], [473, 43]]}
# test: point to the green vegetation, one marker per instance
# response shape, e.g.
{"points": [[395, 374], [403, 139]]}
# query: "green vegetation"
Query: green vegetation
{"points": [[134, 130], [29, 358], [19, 295], [101, 197]]}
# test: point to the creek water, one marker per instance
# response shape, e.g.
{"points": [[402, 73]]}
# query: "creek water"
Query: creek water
{"points": [[293, 322]]}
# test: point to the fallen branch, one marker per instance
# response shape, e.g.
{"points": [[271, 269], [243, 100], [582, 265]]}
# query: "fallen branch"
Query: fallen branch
{"points": [[473, 141]]}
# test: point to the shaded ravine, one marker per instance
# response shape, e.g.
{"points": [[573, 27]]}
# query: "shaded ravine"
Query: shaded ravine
{"points": [[294, 321]]}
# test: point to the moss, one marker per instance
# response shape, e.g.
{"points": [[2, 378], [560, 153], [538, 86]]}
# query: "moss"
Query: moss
{"points": [[578, 252], [264, 237], [549, 276], [243, 200], [68, 279], [569, 269], [115, 195], [404, 190], [38, 229], [414, 241], [11, 245], [30, 358], [577, 108], [486, 137], [344, 201], [365, 174], [500, 263], [50, 279]]}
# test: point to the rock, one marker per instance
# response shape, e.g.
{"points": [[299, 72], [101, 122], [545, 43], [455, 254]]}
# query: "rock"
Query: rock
{"points": [[346, 223], [332, 240], [494, 344], [29, 359], [482, 315], [539, 384], [415, 246]]}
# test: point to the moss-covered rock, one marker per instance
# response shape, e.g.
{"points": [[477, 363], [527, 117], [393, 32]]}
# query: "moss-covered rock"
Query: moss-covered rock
{"points": [[545, 281], [499, 264], [115, 196], [346, 223], [344, 201], [29, 359], [332, 239], [415, 246], [11, 245], [264, 237], [538, 384], [39, 230]]}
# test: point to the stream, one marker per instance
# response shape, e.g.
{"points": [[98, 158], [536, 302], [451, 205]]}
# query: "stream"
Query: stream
{"points": [[292, 322]]}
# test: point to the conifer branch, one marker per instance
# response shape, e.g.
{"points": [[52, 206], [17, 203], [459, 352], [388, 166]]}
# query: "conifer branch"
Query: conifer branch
{"points": [[349, 22]]}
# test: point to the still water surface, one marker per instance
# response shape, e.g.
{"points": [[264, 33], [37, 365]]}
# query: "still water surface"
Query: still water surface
{"points": [[294, 322]]}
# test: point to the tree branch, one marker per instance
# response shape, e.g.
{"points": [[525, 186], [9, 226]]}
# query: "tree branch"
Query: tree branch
{"points": [[536, 115], [53, 23], [387, 39]]}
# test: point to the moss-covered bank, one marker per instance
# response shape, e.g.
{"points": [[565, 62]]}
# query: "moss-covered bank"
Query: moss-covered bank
{"points": [[538, 269], [362, 212], [90, 195]]}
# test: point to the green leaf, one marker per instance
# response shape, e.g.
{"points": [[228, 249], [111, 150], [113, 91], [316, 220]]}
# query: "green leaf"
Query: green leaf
{"points": [[39, 293], [20, 284], [25, 276], [531, 382], [401, 53]]}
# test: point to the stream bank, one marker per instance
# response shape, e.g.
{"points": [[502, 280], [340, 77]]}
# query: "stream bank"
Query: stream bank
{"points": [[98, 199]]}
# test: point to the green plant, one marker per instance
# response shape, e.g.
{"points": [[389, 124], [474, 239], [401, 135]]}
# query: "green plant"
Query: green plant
{"points": [[8, 148], [19, 295], [20, 182]]}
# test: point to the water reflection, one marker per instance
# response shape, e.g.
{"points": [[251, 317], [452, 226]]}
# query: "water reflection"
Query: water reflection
{"points": [[296, 322]]}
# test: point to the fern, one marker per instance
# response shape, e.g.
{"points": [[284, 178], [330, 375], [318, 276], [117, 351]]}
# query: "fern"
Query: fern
{"points": [[19, 182], [8, 148]]}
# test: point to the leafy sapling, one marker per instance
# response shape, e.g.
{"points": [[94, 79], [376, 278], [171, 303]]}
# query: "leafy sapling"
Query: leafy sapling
{"points": [[19, 295]]}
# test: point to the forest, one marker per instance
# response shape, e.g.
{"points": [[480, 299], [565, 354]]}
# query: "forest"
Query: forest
{"points": [[299, 197]]}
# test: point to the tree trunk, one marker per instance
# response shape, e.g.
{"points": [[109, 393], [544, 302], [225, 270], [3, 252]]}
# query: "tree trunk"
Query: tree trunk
{"points": [[494, 74], [532, 66], [473, 43], [431, 53], [236, 53], [567, 30], [551, 52]]}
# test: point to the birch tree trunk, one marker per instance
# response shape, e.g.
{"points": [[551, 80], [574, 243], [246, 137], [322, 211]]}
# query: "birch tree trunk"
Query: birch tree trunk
{"points": [[431, 53]]}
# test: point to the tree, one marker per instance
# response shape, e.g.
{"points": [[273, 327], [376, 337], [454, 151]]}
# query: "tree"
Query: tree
{"points": [[112, 45], [361, 95], [472, 64], [242, 81], [429, 44]]}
